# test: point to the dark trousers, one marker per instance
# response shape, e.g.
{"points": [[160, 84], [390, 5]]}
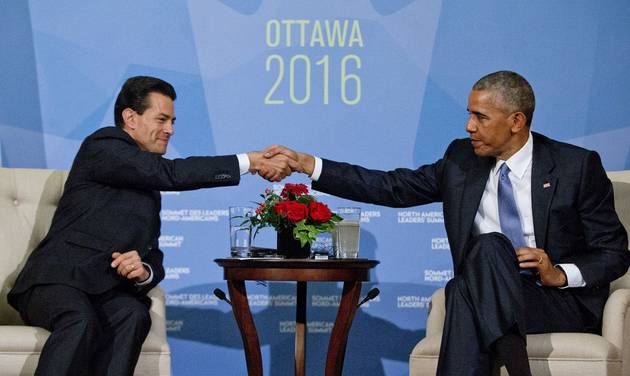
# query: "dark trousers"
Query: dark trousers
{"points": [[90, 334], [490, 298]]}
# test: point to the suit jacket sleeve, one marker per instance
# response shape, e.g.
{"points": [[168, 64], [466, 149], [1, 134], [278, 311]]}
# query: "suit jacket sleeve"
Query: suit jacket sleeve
{"points": [[606, 257], [117, 162], [401, 187]]}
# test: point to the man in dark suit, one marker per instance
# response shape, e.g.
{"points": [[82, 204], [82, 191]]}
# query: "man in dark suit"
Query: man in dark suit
{"points": [[87, 280], [531, 224]]}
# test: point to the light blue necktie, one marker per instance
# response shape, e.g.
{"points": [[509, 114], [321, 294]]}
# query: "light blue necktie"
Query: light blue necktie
{"points": [[508, 212]]}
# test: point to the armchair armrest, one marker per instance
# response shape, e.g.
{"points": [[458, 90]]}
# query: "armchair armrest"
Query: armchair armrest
{"points": [[437, 313], [156, 340], [616, 315], [616, 325], [158, 304]]}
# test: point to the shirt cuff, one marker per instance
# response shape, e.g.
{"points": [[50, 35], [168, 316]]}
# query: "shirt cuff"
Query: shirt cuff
{"points": [[243, 163], [317, 170], [148, 280], [574, 275]]}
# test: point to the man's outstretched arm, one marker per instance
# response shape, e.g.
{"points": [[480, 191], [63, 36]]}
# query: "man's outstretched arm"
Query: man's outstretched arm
{"points": [[401, 187]]}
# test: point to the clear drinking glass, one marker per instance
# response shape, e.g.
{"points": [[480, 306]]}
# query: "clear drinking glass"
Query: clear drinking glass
{"points": [[346, 234], [322, 246], [240, 231]]}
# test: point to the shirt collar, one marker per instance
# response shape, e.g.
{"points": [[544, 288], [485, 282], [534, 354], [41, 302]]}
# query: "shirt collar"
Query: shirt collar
{"points": [[519, 161]]}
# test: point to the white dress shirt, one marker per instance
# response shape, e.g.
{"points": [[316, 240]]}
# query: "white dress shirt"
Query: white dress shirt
{"points": [[243, 163], [487, 217], [149, 279]]}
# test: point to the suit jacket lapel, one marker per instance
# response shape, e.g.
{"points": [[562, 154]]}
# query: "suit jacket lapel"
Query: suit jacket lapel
{"points": [[476, 179], [543, 187]]}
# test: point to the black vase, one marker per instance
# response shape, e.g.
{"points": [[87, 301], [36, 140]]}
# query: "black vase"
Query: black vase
{"points": [[289, 247]]}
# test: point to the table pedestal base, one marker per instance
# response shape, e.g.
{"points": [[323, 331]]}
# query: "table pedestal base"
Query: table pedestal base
{"points": [[351, 272]]}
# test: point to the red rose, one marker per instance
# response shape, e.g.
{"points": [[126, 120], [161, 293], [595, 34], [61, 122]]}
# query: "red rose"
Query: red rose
{"points": [[296, 211], [294, 189], [320, 212], [281, 207]]}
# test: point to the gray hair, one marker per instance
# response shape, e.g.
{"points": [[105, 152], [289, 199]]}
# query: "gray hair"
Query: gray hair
{"points": [[516, 93]]}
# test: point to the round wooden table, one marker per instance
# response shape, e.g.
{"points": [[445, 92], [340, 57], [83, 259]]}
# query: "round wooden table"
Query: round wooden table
{"points": [[351, 271]]}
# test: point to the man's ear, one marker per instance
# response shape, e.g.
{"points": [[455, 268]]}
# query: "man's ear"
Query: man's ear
{"points": [[129, 118], [519, 121]]}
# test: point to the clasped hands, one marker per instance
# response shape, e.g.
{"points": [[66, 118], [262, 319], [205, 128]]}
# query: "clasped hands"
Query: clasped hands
{"points": [[277, 162]]}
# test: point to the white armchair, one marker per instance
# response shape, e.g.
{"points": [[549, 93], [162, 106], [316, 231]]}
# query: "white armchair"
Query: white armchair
{"points": [[558, 354], [28, 198]]}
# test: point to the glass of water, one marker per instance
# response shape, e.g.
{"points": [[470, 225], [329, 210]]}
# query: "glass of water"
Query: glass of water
{"points": [[346, 234], [240, 231]]}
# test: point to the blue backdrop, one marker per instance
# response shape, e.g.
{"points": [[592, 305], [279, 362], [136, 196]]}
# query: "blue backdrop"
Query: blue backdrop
{"points": [[382, 83]]}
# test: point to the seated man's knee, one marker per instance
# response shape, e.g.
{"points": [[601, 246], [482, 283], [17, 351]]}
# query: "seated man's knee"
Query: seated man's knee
{"points": [[140, 318], [487, 247], [489, 243], [495, 239]]}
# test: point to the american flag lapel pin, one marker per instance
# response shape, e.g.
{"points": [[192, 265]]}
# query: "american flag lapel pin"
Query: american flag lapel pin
{"points": [[547, 185]]}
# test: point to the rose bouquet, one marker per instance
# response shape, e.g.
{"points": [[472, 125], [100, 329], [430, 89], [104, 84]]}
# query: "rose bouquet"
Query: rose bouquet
{"points": [[294, 210]]}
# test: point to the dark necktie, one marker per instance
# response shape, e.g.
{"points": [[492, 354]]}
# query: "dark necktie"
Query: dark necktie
{"points": [[508, 212]]}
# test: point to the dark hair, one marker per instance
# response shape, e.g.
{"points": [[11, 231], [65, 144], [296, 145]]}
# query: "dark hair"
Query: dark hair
{"points": [[516, 92], [135, 92]]}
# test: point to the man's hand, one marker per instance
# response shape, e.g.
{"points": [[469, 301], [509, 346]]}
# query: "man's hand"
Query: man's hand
{"points": [[130, 266], [275, 168], [305, 162], [536, 258]]}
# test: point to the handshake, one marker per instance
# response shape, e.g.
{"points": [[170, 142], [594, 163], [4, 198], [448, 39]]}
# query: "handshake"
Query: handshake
{"points": [[277, 162]]}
